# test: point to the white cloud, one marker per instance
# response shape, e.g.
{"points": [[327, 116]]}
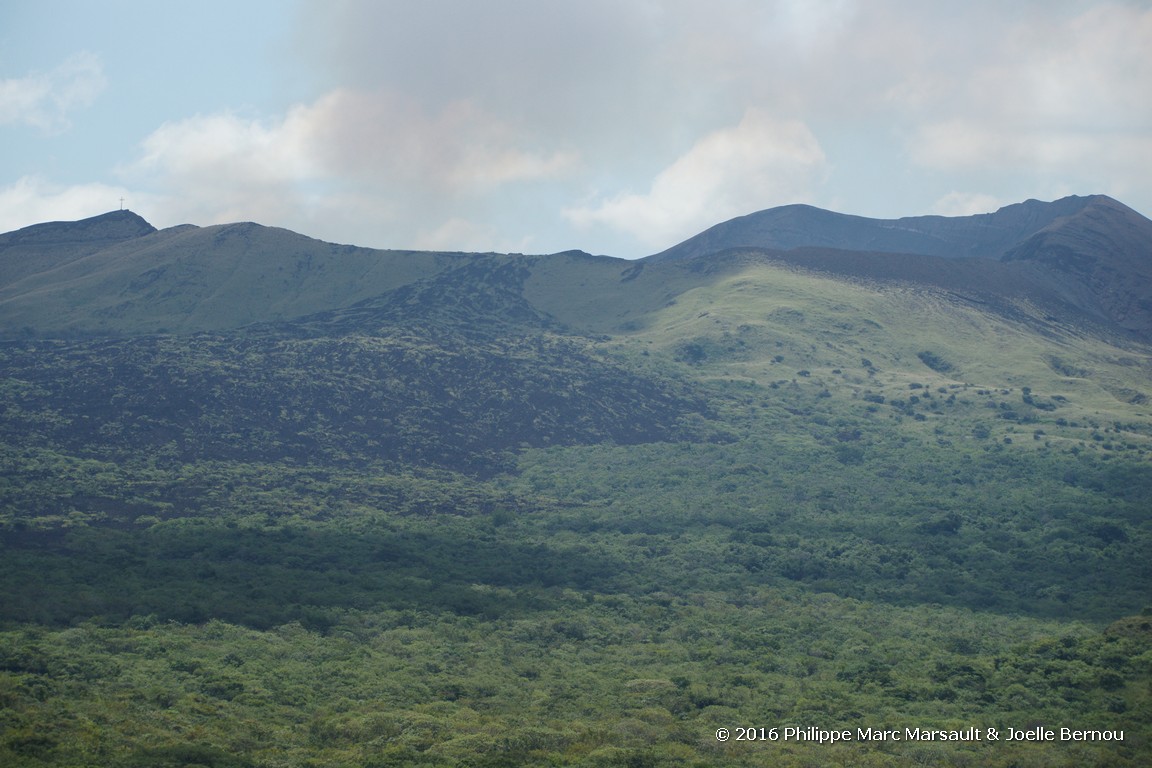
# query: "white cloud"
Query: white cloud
{"points": [[224, 167], [616, 125], [966, 204], [758, 163], [456, 147], [209, 146], [371, 138], [971, 143], [31, 199], [1057, 95], [459, 234], [44, 99], [411, 173], [909, 100]]}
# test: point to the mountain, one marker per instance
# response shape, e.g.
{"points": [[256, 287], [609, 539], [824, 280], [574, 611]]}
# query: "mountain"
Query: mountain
{"points": [[42, 247], [266, 500], [1105, 247], [116, 274], [1076, 282], [1084, 260], [1091, 256], [1067, 303], [985, 235]]}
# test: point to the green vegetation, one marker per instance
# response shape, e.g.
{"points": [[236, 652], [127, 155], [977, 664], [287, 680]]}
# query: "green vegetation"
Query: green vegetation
{"points": [[447, 527], [933, 361]]}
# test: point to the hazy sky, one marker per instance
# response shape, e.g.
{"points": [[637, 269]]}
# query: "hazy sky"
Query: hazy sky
{"points": [[532, 126]]}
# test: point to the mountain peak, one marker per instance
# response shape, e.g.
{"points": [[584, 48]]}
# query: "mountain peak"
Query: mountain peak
{"points": [[1091, 254], [41, 247], [113, 226], [1096, 249], [985, 235]]}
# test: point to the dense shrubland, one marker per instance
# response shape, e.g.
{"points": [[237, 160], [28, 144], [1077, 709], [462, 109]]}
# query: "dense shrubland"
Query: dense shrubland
{"points": [[429, 548]]}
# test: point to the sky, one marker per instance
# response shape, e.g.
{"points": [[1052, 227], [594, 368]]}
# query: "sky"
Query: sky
{"points": [[536, 126]]}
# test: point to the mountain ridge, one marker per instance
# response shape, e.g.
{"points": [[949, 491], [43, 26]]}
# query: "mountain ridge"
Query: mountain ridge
{"points": [[1106, 247], [1092, 252], [44, 246], [1087, 260], [984, 235], [189, 278], [113, 225]]}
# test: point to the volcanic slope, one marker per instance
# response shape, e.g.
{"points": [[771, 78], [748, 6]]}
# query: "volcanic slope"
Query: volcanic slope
{"points": [[985, 235], [748, 313], [115, 275], [384, 508], [42, 247], [1091, 256]]}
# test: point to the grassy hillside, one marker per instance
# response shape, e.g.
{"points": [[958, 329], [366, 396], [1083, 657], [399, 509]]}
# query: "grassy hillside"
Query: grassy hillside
{"points": [[188, 279], [762, 320], [766, 322]]}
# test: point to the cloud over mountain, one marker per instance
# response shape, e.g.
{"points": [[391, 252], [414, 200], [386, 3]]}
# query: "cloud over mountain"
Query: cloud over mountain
{"points": [[34, 198], [1057, 96], [622, 126], [758, 159]]}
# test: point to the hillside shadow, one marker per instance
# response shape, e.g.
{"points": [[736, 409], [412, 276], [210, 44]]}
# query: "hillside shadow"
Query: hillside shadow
{"points": [[264, 578]]}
